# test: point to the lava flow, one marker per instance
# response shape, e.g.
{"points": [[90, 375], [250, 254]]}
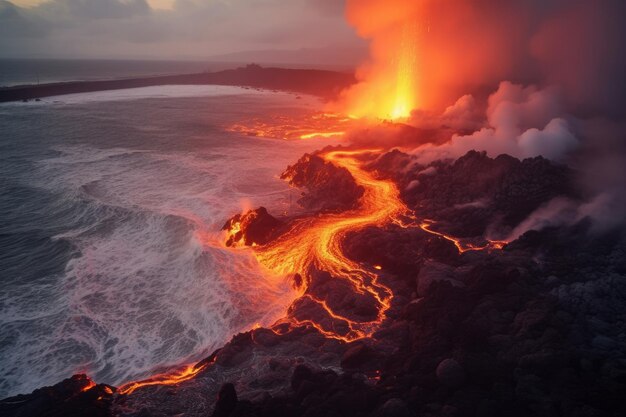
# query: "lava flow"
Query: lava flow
{"points": [[459, 243], [169, 378], [316, 242], [308, 126]]}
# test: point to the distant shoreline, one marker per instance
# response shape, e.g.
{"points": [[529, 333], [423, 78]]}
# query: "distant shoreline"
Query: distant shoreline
{"points": [[322, 83]]}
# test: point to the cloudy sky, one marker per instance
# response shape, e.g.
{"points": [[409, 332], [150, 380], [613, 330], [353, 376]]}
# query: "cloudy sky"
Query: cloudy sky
{"points": [[170, 28]]}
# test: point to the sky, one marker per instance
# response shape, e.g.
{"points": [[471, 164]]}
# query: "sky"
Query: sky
{"points": [[174, 29]]}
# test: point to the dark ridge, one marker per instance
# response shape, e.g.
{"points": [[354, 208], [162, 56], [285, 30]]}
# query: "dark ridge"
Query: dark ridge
{"points": [[475, 192], [329, 187], [321, 83]]}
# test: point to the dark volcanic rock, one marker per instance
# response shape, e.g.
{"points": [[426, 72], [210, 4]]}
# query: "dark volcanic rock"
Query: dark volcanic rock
{"points": [[226, 401], [450, 373], [316, 82], [329, 188], [357, 357], [253, 227], [76, 396], [301, 374], [468, 195]]}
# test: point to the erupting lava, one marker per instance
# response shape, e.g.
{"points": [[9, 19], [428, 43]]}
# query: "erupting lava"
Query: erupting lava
{"points": [[388, 81], [404, 100]]}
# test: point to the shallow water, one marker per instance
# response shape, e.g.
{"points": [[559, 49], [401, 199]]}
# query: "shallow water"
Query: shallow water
{"points": [[110, 212]]}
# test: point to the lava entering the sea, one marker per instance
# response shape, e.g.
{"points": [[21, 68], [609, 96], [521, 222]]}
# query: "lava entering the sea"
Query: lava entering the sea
{"points": [[174, 377]]}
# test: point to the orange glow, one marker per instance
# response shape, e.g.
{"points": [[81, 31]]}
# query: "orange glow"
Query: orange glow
{"points": [[460, 245], [90, 385], [169, 378], [316, 242], [310, 126], [404, 100], [448, 47], [322, 135], [387, 87]]}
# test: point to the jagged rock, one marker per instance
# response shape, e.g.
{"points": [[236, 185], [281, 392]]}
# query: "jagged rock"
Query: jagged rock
{"points": [[356, 356], [255, 227], [329, 187], [471, 193], [76, 396], [432, 272]]}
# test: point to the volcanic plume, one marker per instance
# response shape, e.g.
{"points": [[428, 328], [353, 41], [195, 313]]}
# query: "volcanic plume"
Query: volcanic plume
{"points": [[448, 260], [430, 52], [526, 79]]}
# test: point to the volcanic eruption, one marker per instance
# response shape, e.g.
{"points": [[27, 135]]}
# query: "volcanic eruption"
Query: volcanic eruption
{"points": [[446, 257]]}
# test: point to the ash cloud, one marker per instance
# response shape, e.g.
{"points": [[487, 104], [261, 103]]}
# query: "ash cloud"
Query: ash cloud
{"points": [[467, 46], [533, 78]]}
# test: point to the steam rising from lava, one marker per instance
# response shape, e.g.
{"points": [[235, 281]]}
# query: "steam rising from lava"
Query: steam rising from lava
{"points": [[429, 53], [532, 78]]}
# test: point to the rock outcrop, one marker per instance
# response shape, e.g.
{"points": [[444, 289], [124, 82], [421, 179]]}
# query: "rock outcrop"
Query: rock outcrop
{"points": [[255, 227], [328, 187]]}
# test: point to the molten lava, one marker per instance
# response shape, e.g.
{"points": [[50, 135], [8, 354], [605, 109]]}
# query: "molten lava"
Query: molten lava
{"points": [[309, 126], [90, 385], [459, 243], [388, 81], [404, 100], [169, 378], [316, 243]]}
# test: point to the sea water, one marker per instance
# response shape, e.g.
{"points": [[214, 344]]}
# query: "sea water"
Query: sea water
{"points": [[110, 209]]}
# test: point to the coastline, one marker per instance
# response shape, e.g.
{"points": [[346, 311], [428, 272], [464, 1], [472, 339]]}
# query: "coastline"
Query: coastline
{"points": [[321, 83]]}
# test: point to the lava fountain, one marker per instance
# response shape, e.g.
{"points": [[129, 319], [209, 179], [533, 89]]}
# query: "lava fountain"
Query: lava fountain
{"points": [[387, 83]]}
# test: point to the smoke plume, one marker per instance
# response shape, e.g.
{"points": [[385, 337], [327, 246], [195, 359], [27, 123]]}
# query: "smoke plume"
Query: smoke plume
{"points": [[526, 78]]}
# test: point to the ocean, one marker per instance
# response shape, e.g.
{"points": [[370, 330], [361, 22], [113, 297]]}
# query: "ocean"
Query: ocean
{"points": [[34, 71], [110, 209]]}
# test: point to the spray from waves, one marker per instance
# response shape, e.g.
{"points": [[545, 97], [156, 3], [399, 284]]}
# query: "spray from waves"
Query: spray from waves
{"points": [[142, 286]]}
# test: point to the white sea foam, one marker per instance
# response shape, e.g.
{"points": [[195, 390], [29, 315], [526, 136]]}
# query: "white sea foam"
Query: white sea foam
{"points": [[160, 91], [149, 285]]}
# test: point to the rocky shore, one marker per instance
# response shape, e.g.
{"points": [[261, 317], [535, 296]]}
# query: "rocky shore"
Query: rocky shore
{"points": [[536, 328]]}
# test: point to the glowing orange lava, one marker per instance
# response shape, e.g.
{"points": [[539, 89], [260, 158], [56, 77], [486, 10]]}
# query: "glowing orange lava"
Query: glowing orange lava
{"points": [[460, 245], [316, 242], [90, 385], [388, 86], [169, 378], [314, 125]]}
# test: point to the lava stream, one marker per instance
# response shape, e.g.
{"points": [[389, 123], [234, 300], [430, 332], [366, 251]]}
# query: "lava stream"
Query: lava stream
{"points": [[316, 242], [460, 245], [169, 378]]}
